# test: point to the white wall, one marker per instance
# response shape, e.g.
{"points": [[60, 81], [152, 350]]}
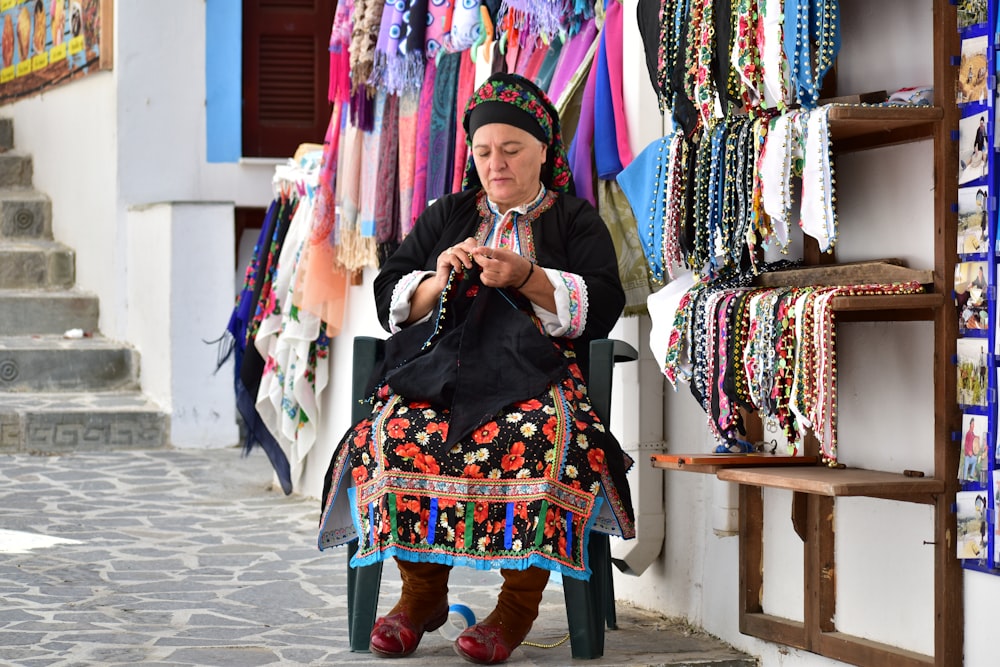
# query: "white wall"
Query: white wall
{"points": [[171, 320]]}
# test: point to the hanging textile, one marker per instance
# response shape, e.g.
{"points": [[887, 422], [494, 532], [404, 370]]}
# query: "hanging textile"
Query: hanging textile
{"points": [[443, 123], [425, 110], [364, 37], [242, 330], [291, 340]]}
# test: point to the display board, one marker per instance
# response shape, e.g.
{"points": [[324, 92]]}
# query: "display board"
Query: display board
{"points": [[978, 346], [45, 43]]}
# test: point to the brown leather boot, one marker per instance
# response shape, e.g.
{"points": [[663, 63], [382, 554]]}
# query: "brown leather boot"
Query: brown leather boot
{"points": [[422, 607], [492, 641]]}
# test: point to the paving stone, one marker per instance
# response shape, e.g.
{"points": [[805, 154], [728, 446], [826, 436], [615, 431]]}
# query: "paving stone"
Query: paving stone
{"points": [[215, 567]]}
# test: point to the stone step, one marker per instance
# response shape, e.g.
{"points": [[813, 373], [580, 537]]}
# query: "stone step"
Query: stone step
{"points": [[28, 264], [25, 213], [16, 169], [54, 364], [53, 423], [27, 312]]}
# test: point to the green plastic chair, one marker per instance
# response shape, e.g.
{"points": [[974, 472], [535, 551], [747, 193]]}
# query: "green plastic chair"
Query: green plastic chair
{"points": [[590, 605]]}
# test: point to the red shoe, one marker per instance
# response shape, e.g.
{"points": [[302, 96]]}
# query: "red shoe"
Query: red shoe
{"points": [[396, 636], [483, 644]]}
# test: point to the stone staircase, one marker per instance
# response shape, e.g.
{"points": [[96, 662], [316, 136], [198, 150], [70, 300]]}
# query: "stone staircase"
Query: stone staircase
{"points": [[57, 394]]}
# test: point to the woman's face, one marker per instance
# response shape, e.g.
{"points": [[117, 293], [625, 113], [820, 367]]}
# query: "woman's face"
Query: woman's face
{"points": [[509, 163]]}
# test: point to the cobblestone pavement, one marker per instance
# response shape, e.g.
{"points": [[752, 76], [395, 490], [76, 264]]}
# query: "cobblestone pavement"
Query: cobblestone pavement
{"points": [[180, 557]]}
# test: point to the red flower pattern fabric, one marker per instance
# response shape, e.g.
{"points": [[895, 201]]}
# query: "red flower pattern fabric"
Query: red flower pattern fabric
{"points": [[520, 490]]}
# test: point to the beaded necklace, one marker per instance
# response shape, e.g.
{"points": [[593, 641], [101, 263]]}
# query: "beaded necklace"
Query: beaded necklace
{"points": [[823, 409], [653, 241], [723, 405], [674, 209], [715, 189], [818, 216], [784, 373], [760, 224], [702, 195], [746, 60]]}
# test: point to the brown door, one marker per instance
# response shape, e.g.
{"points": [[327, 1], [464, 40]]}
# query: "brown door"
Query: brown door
{"points": [[286, 70]]}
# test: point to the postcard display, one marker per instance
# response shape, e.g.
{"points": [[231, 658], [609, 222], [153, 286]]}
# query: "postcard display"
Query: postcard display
{"points": [[976, 273]]}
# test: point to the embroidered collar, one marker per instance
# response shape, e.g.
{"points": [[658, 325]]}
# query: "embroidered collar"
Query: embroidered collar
{"points": [[519, 210], [518, 236]]}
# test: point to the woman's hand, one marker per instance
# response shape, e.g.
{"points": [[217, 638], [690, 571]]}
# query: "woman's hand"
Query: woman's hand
{"points": [[458, 257], [501, 267], [505, 268]]}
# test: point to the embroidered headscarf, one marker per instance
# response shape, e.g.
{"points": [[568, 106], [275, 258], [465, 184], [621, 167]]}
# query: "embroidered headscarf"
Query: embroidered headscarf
{"points": [[515, 100]]}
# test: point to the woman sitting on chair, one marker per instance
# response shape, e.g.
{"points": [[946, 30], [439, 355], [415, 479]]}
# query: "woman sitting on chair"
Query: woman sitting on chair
{"points": [[482, 448]]}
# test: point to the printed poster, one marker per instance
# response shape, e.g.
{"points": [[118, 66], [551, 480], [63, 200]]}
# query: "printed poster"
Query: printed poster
{"points": [[44, 43]]}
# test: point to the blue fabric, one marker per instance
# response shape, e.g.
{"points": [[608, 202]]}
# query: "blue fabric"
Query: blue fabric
{"points": [[646, 196], [804, 25], [606, 158], [236, 332]]}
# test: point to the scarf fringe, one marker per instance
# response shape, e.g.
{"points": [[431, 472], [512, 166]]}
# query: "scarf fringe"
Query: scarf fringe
{"points": [[356, 252], [549, 17], [399, 73]]}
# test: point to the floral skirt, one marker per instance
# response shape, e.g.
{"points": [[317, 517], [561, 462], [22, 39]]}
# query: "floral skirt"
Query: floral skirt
{"points": [[524, 489]]}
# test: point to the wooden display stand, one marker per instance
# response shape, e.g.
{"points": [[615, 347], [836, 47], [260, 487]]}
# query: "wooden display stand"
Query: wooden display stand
{"points": [[816, 487]]}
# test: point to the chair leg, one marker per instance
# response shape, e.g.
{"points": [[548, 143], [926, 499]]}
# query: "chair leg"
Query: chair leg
{"points": [[363, 584], [587, 602]]}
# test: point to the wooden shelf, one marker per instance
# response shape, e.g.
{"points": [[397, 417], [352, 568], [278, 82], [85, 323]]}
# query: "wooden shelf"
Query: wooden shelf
{"points": [[861, 127], [902, 307], [835, 482], [892, 307], [712, 463]]}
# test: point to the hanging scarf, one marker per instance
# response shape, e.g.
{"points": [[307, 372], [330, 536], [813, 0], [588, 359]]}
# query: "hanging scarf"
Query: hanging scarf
{"points": [[466, 87], [580, 148], [409, 104], [443, 121], [615, 211], [321, 287], [371, 186], [611, 147], [439, 19], [387, 203], [390, 62], [653, 18], [340, 57], [809, 22], [644, 183], [549, 17], [250, 364], [547, 68], [465, 26], [605, 131], [574, 58], [425, 108], [364, 38]]}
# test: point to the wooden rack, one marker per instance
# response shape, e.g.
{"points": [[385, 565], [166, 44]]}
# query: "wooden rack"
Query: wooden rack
{"points": [[815, 487]]}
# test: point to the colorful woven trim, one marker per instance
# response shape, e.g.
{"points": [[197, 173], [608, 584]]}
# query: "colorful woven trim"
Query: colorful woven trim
{"points": [[523, 94]]}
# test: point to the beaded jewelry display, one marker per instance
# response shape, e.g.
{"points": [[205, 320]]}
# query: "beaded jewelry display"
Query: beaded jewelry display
{"points": [[769, 350]]}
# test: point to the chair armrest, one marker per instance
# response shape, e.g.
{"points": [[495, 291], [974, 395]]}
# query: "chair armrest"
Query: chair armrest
{"points": [[368, 351]]}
